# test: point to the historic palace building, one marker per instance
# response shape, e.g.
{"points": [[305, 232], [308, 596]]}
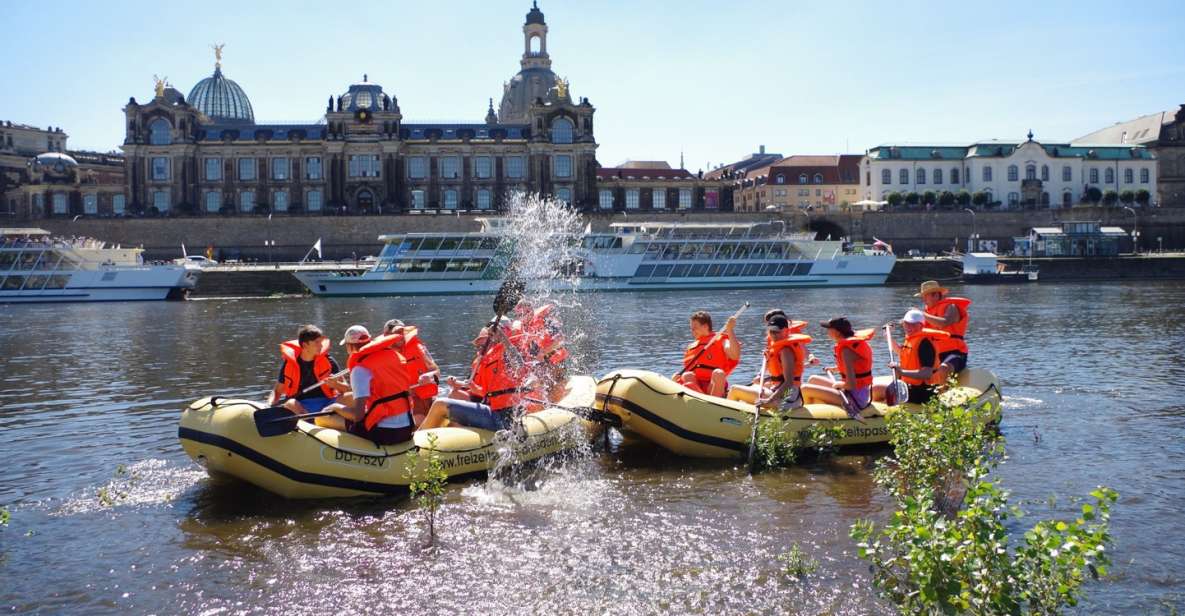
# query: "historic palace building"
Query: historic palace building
{"points": [[655, 186], [39, 177], [205, 154], [1164, 134], [1011, 173]]}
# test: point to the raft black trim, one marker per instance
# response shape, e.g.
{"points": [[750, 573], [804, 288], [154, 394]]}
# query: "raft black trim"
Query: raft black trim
{"points": [[672, 427]]}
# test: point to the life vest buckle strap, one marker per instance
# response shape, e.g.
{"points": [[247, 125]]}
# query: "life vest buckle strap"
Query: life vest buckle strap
{"points": [[386, 399]]}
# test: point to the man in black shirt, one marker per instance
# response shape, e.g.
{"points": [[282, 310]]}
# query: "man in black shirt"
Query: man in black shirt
{"points": [[304, 363]]}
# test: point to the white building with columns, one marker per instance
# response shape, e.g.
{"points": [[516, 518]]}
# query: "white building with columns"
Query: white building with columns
{"points": [[1012, 173]]}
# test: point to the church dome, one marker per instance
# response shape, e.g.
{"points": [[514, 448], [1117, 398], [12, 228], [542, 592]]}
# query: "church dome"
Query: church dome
{"points": [[365, 95], [522, 90], [221, 99], [535, 16]]}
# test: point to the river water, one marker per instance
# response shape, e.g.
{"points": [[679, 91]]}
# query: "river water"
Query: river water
{"points": [[108, 514]]}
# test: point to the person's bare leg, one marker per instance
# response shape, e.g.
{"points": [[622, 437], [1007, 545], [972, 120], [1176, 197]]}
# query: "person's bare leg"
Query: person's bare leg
{"points": [[437, 415], [818, 379], [688, 381], [743, 393], [333, 422], [294, 406], [419, 410], [718, 384], [878, 391], [817, 394]]}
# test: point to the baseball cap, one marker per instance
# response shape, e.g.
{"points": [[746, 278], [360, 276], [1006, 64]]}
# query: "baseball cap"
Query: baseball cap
{"points": [[356, 334], [777, 322], [840, 324], [390, 326], [914, 316]]}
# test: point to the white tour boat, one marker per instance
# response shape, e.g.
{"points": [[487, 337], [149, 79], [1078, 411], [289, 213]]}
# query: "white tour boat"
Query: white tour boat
{"points": [[635, 256], [35, 267]]}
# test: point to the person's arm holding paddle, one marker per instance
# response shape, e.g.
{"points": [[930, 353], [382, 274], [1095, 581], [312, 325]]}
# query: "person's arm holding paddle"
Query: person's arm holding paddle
{"points": [[788, 360], [732, 346]]}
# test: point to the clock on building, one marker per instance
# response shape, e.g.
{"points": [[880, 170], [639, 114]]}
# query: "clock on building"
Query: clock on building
{"points": [[362, 115]]}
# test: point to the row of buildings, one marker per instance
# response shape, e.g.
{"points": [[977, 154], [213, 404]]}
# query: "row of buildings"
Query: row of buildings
{"points": [[204, 153]]}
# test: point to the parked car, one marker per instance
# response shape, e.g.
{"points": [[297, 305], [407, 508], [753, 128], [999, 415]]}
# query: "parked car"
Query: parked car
{"points": [[197, 260]]}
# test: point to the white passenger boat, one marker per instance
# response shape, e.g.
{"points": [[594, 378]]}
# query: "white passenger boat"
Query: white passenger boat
{"points": [[646, 256], [35, 267]]}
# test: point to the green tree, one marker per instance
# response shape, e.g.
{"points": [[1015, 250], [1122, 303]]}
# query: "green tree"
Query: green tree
{"points": [[428, 482], [929, 198], [1092, 195], [894, 199], [912, 198], [1143, 196], [980, 198], [1110, 197], [1127, 197], [946, 198]]}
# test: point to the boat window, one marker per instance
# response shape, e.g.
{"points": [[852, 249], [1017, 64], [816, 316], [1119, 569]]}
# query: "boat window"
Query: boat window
{"points": [[389, 250], [438, 265], [589, 243], [669, 252], [644, 271], [36, 282], [57, 282], [688, 251], [715, 271], [48, 261], [698, 271], [758, 252], [733, 270], [404, 265], [476, 265], [752, 269], [456, 265], [470, 243], [775, 250], [707, 251], [409, 244], [7, 259], [27, 260], [420, 266], [489, 243], [662, 271], [430, 243], [450, 243], [742, 252], [13, 283], [638, 248], [769, 269], [725, 251], [680, 271], [653, 249], [788, 269], [68, 264]]}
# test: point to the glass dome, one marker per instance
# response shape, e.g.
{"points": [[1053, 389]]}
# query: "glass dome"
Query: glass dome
{"points": [[363, 95], [221, 99]]}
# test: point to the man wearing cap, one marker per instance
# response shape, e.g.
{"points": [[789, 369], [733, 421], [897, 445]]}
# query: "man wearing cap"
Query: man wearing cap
{"points": [[918, 357], [853, 363], [498, 390], [948, 314], [785, 356], [380, 379]]}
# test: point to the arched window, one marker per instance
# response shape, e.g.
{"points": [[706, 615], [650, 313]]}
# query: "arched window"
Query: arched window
{"points": [[938, 176], [802, 179], [561, 130], [781, 179], [886, 176], [903, 176], [987, 175], [1144, 176], [1067, 173], [1109, 173], [1128, 176], [1067, 198], [818, 178], [1044, 173], [1030, 172], [1013, 198], [160, 132], [920, 176], [954, 175], [1013, 173]]}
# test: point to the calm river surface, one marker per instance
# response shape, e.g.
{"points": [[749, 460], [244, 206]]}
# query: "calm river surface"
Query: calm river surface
{"points": [[1088, 373]]}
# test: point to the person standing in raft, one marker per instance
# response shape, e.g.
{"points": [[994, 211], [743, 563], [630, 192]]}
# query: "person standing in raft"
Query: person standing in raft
{"points": [[853, 362], [948, 314], [538, 336], [381, 380], [711, 357], [305, 362], [919, 357], [427, 373], [785, 356], [496, 393]]}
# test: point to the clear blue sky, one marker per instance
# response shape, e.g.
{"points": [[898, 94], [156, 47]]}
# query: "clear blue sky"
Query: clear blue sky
{"points": [[712, 78]]}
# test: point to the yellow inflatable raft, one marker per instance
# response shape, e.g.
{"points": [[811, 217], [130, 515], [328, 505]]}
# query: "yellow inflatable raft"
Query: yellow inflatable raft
{"points": [[696, 425], [311, 462]]}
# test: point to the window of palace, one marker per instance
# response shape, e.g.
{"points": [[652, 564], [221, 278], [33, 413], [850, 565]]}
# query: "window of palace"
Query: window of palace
{"points": [[247, 200], [1128, 176], [417, 167], [1013, 173], [1067, 173], [160, 168], [920, 176], [515, 166], [886, 176], [246, 169], [684, 198], [213, 168], [450, 199], [954, 175], [818, 178], [119, 204], [987, 173], [312, 168], [561, 130], [1094, 176], [160, 132], [802, 179], [418, 200], [903, 176], [363, 166], [563, 166], [213, 201], [483, 167], [781, 179], [938, 176], [280, 201], [484, 199], [1110, 175], [160, 200], [313, 201], [658, 198], [450, 167], [564, 194], [280, 169], [59, 203], [1013, 198], [605, 199], [632, 202], [1144, 176], [1044, 173], [90, 203]]}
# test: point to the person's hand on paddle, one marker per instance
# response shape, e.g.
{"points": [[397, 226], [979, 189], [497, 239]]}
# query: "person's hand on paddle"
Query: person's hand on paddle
{"points": [[340, 384], [812, 360], [896, 368], [730, 326], [426, 379], [841, 385]]}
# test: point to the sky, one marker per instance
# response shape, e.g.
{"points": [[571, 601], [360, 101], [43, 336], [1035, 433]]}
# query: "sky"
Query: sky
{"points": [[713, 80]]}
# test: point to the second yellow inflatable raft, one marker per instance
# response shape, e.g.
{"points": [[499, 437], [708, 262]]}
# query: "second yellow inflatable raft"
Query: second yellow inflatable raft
{"points": [[311, 462], [696, 425]]}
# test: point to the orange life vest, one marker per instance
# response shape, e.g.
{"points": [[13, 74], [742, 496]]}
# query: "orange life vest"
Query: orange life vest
{"points": [[712, 357], [416, 355], [538, 336], [955, 342], [909, 354], [391, 378], [858, 343], [494, 381], [290, 351], [773, 357]]}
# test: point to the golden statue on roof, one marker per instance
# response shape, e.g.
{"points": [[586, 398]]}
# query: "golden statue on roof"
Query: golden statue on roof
{"points": [[561, 87], [218, 54], [160, 84]]}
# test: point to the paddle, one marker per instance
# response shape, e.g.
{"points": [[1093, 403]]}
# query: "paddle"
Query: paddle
{"points": [[757, 409], [848, 406], [899, 388], [586, 412], [314, 386], [736, 315], [277, 420], [504, 301]]}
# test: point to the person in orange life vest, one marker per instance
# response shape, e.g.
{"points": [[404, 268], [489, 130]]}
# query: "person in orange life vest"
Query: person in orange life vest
{"points": [[381, 380], [416, 352], [497, 390], [948, 314], [918, 357], [785, 355], [710, 358], [538, 336], [853, 363], [305, 361]]}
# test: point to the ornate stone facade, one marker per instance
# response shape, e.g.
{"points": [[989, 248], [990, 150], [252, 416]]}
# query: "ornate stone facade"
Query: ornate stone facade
{"points": [[211, 157], [39, 177]]}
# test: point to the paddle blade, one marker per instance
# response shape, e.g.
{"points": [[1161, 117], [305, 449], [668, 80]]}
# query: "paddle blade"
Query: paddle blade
{"points": [[509, 294], [274, 421]]}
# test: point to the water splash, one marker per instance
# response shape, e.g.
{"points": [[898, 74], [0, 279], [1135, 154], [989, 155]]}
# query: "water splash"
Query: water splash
{"points": [[144, 483]]}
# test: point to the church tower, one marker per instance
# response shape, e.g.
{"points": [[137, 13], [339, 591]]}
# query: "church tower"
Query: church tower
{"points": [[535, 40], [535, 80]]}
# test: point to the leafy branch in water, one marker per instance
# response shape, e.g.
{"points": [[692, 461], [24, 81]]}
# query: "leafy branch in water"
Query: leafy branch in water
{"points": [[778, 445], [428, 491], [111, 494], [5, 516], [796, 563], [947, 549]]}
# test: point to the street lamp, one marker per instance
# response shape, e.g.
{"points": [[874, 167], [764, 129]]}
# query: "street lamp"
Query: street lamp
{"points": [[1135, 230], [971, 241]]}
